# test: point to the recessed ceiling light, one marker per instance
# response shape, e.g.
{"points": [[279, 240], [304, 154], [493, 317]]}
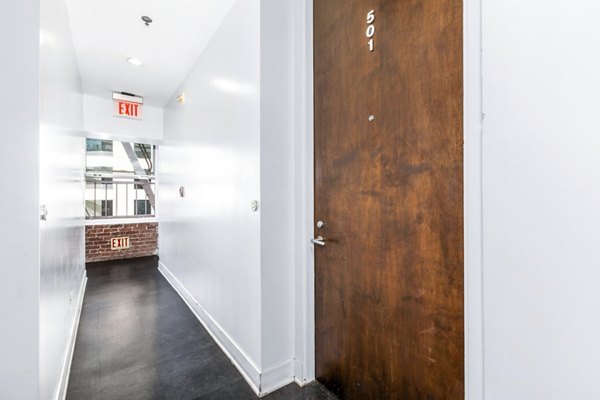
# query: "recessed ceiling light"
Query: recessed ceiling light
{"points": [[135, 61]]}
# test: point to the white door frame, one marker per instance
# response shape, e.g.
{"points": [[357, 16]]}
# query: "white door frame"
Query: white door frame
{"points": [[473, 200], [473, 252], [304, 167]]}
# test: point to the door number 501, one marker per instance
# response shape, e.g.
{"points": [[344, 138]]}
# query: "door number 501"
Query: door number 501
{"points": [[371, 29]]}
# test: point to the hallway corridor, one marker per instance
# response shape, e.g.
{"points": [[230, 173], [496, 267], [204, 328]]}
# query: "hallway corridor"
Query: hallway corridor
{"points": [[138, 340]]}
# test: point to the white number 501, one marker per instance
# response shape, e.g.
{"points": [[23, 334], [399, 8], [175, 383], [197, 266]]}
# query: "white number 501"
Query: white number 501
{"points": [[371, 29]]}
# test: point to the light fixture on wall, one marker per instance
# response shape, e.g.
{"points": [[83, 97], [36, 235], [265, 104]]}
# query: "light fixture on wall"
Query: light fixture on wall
{"points": [[135, 61]]}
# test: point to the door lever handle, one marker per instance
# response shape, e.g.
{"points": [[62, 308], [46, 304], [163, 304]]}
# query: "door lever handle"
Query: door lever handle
{"points": [[319, 240]]}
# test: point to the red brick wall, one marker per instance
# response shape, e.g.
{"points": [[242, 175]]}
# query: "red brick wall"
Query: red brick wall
{"points": [[143, 241]]}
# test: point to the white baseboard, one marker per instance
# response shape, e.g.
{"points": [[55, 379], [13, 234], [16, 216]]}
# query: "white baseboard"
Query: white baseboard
{"points": [[276, 378], [262, 383], [242, 362], [61, 392]]}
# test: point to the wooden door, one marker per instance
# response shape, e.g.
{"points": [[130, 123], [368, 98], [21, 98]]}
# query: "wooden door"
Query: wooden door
{"points": [[389, 189]]}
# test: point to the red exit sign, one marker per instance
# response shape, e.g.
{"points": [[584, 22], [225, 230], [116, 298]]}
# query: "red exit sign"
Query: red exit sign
{"points": [[119, 243], [127, 109], [128, 106]]}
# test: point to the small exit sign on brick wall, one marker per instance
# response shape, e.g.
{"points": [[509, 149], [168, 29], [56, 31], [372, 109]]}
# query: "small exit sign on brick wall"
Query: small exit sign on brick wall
{"points": [[100, 241], [119, 243]]}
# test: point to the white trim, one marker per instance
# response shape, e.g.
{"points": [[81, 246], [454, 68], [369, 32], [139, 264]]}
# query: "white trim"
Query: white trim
{"points": [[473, 201], [93, 134], [304, 365], [298, 374], [120, 221], [276, 378], [65, 371], [261, 383]]}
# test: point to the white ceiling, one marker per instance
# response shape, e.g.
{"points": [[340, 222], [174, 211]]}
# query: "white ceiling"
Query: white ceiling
{"points": [[108, 32]]}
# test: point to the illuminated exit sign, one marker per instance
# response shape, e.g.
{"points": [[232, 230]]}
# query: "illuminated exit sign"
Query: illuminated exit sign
{"points": [[119, 243], [127, 105]]}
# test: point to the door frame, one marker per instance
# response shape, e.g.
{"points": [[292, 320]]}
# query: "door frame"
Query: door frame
{"points": [[473, 223]]}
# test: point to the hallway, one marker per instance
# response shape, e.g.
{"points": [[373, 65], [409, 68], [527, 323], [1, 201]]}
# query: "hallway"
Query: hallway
{"points": [[138, 340]]}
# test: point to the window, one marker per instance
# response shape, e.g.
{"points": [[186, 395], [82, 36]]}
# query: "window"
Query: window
{"points": [[99, 145], [145, 152], [107, 208], [142, 207], [120, 179]]}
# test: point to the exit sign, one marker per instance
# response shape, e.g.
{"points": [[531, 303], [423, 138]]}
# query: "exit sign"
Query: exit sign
{"points": [[128, 106], [119, 243]]}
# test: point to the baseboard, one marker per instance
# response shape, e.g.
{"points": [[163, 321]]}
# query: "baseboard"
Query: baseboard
{"points": [[276, 378], [246, 367], [65, 371], [262, 383]]}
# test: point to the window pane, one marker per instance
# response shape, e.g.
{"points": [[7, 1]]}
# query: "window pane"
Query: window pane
{"points": [[145, 154], [99, 145], [142, 207], [107, 208]]}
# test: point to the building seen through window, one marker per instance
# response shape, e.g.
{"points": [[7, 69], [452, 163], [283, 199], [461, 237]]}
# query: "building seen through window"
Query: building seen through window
{"points": [[93, 145], [120, 179]]}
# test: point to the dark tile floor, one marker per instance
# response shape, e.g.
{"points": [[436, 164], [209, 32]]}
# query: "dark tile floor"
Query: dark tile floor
{"points": [[137, 340]]}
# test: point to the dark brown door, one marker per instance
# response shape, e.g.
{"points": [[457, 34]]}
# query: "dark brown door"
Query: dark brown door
{"points": [[389, 189]]}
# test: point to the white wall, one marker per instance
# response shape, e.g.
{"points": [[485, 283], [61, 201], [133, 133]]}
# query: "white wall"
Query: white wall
{"points": [[541, 160], [229, 144], [99, 121], [210, 240], [41, 108], [62, 151], [19, 213], [277, 183]]}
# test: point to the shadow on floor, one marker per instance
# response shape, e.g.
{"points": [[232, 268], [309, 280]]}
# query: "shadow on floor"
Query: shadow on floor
{"points": [[138, 340]]}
